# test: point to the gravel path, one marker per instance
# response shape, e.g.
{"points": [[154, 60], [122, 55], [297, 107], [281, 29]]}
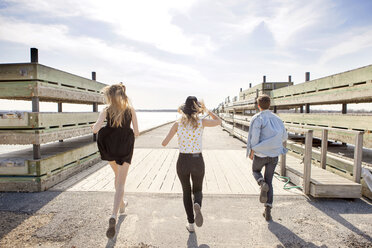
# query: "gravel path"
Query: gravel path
{"points": [[80, 219]]}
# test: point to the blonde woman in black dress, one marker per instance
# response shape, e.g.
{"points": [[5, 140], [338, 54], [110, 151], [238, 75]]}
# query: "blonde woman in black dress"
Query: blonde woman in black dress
{"points": [[116, 141]]}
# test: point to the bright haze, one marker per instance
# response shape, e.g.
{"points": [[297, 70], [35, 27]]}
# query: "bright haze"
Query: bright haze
{"points": [[164, 51]]}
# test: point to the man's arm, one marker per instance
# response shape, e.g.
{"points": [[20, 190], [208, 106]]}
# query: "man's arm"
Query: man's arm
{"points": [[285, 134], [253, 136]]}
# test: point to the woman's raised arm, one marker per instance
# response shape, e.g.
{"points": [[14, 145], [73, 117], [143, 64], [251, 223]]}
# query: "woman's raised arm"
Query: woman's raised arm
{"points": [[170, 135], [212, 123]]}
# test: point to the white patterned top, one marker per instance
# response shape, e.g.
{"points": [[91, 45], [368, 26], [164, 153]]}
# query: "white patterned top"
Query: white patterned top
{"points": [[190, 139]]}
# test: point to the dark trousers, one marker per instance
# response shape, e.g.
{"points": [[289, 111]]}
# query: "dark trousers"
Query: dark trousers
{"points": [[269, 164], [191, 165]]}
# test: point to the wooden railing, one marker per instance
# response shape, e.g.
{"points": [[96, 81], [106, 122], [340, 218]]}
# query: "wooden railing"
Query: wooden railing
{"points": [[51, 163]]}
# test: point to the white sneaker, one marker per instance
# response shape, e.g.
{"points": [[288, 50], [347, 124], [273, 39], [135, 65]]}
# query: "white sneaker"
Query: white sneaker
{"points": [[122, 208], [190, 227]]}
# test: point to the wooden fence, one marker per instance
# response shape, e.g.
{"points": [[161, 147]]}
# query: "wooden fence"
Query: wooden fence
{"points": [[71, 150], [353, 86]]}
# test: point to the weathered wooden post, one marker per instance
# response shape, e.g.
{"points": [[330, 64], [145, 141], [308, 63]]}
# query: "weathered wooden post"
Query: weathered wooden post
{"points": [[307, 161], [283, 161], [95, 105], [35, 103], [307, 105], [324, 147], [344, 111], [34, 55], [344, 108], [358, 152], [255, 102], [59, 111], [233, 119]]}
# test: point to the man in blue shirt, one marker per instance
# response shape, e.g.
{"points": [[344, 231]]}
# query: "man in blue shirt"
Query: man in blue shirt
{"points": [[265, 143]]}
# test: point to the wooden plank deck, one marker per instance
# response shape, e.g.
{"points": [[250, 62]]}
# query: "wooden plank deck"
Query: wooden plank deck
{"points": [[153, 168], [227, 170], [154, 171]]}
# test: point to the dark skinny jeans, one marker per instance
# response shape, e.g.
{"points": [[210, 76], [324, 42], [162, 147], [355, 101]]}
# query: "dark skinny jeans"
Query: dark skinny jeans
{"points": [[269, 163], [191, 165]]}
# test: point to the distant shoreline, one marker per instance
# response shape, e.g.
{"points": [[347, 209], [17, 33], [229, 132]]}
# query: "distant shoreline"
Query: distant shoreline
{"points": [[138, 110], [156, 110]]}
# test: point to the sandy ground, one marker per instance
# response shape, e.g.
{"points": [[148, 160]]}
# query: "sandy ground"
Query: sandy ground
{"points": [[79, 219]]}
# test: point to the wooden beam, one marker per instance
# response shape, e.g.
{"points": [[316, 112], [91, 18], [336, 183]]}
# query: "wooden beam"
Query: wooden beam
{"points": [[340, 80], [318, 122], [307, 161], [333, 160], [25, 137], [358, 93], [324, 147], [25, 90], [283, 162], [43, 120], [38, 72], [345, 121], [358, 152]]}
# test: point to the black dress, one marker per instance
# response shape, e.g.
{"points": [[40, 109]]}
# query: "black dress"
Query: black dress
{"points": [[117, 143]]}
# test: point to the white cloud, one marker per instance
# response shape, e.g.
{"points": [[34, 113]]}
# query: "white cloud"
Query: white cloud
{"points": [[171, 48], [350, 42], [291, 17], [140, 20]]}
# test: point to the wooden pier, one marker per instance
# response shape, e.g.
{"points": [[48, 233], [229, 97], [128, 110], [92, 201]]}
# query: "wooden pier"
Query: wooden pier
{"points": [[228, 171], [45, 165], [292, 104], [153, 169]]}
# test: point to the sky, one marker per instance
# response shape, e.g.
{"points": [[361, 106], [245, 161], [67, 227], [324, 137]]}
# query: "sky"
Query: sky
{"points": [[164, 51]]}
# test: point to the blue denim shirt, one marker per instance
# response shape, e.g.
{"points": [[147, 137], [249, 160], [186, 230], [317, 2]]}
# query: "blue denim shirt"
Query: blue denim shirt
{"points": [[266, 135]]}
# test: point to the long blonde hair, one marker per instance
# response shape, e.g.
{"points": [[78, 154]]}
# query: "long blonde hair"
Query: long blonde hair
{"points": [[192, 119], [118, 104]]}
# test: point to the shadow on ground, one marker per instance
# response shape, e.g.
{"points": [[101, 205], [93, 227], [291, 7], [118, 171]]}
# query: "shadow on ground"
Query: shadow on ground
{"points": [[337, 209], [16, 208], [288, 238], [112, 242], [192, 242]]}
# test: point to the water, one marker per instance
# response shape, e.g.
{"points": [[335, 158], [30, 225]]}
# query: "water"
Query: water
{"points": [[148, 120]]}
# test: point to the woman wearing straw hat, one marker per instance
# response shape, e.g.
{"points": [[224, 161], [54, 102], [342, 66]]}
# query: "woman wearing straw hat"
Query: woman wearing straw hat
{"points": [[190, 163]]}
